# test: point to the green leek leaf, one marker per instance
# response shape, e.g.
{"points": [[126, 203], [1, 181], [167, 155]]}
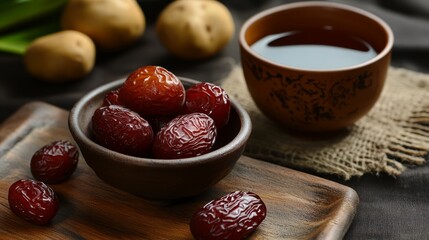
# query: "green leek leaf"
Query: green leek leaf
{"points": [[15, 12], [22, 21], [17, 42]]}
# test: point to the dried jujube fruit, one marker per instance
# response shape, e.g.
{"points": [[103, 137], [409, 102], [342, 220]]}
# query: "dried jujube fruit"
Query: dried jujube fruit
{"points": [[111, 98], [234, 216], [183, 123], [55, 162], [210, 99], [187, 135], [151, 91], [122, 130], [34, 201]]}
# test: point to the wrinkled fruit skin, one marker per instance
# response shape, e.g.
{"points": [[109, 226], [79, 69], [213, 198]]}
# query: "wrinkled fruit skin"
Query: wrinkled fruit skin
{"points": [[122, 130], [210, 99], [33, 201], [152, 90], [185, 136], [55, 162], [111, 98], [234, 216]]}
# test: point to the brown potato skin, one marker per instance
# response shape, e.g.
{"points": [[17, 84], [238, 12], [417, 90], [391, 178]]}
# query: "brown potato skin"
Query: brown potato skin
{"points": [[60, 57], [195, 29], [111, 24]]}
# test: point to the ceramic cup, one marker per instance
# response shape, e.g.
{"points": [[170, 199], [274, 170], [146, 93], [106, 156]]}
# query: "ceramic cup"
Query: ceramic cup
{"points": [[315, 100]]}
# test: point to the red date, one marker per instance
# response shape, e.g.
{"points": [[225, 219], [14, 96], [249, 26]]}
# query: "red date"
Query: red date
{"points": [[185, 136], [111, 98], [33, 201], [209, 99], [55, 162], [234, 216], [152, 90], [122, 130]]}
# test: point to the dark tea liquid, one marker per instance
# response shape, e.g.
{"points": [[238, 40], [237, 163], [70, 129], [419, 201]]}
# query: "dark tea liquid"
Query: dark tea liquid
{"points": [[314, 49]]}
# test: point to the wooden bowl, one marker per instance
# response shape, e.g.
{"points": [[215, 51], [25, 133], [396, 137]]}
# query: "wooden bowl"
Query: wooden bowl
{"points": [[315, 100], [158, 179]]}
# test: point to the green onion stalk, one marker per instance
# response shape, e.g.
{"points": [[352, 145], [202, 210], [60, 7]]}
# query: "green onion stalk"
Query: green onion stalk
{"points": [[22, 21]]}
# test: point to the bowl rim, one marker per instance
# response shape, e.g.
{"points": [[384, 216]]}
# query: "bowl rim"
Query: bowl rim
{"points": [[237, 142], [386, 50]]}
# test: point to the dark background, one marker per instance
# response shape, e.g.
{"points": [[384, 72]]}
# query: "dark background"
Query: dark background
{"points": [[390, 208]]}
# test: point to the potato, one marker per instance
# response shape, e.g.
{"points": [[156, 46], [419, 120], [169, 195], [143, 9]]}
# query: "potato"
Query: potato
{"points": [[60, 57], [195, 29], [111, 24]]}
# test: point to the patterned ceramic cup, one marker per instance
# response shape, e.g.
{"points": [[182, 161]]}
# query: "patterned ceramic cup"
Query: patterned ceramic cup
{"points": [[316, 100]]}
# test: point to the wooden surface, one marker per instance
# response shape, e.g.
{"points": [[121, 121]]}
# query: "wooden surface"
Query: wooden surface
{"points": [[300, 206]]}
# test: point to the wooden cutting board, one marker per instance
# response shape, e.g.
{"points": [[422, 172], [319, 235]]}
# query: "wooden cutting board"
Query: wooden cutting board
{"points": [[300, 206]]}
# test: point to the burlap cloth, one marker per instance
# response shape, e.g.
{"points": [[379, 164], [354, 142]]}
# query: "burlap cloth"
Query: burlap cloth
{"points": [[392, 137]]}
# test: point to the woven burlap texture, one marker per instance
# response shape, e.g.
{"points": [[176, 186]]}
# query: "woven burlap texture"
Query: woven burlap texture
{"points": [[392, 137]]}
